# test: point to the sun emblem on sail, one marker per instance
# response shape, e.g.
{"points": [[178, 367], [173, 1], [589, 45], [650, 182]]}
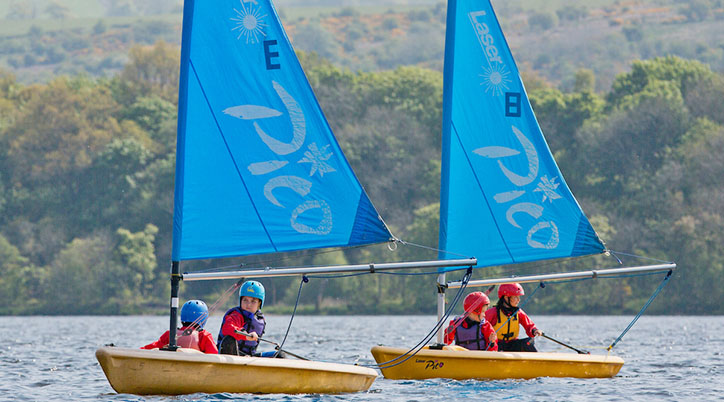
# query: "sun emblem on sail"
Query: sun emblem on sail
{"points": [[317, 158], [495, 79], [548, 188], [249, 21]]}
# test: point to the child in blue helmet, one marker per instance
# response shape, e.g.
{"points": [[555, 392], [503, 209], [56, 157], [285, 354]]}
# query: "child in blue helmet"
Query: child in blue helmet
{"points": [[191, 334], [242, 326]]}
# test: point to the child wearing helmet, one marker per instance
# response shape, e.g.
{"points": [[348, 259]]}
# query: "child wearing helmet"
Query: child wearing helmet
{"points": [[471, 330], [191, 334], [507, 318], [242, 326]]}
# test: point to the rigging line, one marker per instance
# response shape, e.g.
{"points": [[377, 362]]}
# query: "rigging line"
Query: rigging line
{"points": [[299, 293], [651, 299], [225, 295], [638, 256], [431, 248], [415, 349]]}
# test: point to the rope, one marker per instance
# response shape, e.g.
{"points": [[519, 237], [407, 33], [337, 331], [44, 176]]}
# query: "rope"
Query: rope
{"points": [[415, 349], [299, 293], [614, 253], [222, 299], [653, 296], [432, 248]]}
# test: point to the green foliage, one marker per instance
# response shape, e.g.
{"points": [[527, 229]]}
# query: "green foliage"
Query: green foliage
{"points": [[87, 172], [678, 71]]}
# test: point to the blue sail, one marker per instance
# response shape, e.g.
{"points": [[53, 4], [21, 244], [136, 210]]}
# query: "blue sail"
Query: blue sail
{"points": [[258, 169], [503, 198]]}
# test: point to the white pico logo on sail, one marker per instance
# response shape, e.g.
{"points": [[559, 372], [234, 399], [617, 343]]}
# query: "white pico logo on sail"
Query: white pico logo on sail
{"points": [[315, 156]]}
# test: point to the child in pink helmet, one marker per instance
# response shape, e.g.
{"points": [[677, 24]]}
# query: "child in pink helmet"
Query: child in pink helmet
{"points": [[507, 318]]}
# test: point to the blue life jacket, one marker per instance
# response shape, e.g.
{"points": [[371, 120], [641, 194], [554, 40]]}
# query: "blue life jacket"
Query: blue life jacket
{"points": [[470, 335], [253, 322]]}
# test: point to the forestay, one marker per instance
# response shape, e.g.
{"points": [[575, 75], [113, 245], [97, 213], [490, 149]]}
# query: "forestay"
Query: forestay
{"points": [[503, 199], [258, 169]]}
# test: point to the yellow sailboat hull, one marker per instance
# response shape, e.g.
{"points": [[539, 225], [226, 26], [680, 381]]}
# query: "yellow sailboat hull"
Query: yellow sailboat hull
{"points": [[461, 364], [154, 372]]}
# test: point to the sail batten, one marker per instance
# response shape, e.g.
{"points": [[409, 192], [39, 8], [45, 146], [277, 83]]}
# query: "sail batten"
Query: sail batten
{"points": [[258, 169], [521, 209]]}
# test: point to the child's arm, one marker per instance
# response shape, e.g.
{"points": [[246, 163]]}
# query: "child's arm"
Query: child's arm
{"points": [[207, 344], [161, 342], [528, 324], [450, 333]]}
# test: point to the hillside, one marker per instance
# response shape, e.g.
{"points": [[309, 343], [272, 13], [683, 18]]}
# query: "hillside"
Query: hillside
{"points": [[552, 39]]}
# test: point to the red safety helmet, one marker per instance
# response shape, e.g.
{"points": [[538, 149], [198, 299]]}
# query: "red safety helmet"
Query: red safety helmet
{"points": [[510, 289], [475, 301]]}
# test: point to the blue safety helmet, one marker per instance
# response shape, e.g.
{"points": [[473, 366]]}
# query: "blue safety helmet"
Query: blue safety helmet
{"points": [[252, 289], [195, 311]]}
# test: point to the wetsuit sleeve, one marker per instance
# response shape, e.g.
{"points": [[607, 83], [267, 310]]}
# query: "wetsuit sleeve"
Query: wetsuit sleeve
{"points": [[207, 344], [491, 315], [526, 322], [450, 333], [487, 331], [161, 342], [232, 323]]}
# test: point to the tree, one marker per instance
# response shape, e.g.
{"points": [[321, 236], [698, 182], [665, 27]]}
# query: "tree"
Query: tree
{"points": [[151, 70], [17, 292], [673, 69], [135, 251], [585, 81]]}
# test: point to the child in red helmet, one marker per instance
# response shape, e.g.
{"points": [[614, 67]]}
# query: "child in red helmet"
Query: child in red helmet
{"points": [[507, 318], [471, 330]]}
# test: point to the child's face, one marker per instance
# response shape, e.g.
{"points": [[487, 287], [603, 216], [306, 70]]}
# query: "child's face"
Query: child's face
{"points": [[514, 300], [479, 316], [250, 304]]}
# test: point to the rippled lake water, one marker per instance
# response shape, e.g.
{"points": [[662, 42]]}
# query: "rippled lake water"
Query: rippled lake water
{"points": [[667, 358]]}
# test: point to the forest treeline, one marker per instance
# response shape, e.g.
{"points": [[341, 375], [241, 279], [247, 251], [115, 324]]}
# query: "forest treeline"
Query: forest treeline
{"points": [[87, 172]]}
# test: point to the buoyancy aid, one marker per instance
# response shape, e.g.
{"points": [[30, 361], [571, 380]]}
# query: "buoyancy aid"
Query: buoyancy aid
{"points": [[469, 335], [192, 340], [511, 323], [253, 322]]}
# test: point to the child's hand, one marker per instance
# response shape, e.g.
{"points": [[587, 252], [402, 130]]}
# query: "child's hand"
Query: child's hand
{"points": [[253, 336], [492, 337], [537, 332]]}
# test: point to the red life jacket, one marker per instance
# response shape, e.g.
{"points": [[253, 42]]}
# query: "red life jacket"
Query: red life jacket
{"points": [[190, 340]]}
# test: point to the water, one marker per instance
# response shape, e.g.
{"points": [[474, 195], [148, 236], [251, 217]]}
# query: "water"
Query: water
{"points": [[667, 358]]}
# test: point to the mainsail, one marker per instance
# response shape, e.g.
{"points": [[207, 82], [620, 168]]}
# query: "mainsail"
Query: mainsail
{"points": [[503, 198], [258, 169]]}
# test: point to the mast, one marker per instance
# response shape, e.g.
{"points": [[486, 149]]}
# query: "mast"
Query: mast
{"points": [[440, 305], [175, 278]]}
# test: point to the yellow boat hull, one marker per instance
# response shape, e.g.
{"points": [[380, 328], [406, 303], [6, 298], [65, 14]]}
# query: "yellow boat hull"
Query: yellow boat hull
{"points": [[154, 372], [461, 364]]}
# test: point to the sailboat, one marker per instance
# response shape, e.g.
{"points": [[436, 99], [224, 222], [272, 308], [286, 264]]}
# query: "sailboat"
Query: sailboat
{"points": [[258, 170], [503, 200]]}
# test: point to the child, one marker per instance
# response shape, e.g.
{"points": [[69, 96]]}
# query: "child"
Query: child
{"points": [[246, 319], [507, 318], [470, 330], [191, 334]]}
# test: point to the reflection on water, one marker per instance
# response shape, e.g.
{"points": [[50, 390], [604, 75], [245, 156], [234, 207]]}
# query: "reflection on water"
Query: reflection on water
{"points": [[674, 358]]}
